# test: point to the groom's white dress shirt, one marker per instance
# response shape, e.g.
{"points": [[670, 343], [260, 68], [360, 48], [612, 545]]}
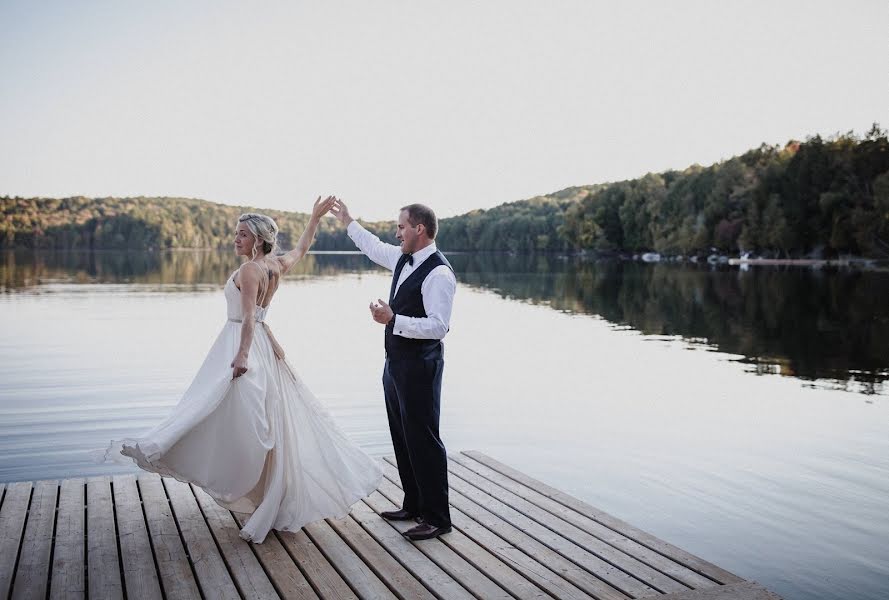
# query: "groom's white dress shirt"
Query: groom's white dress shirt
{"points": [[438, 288]]}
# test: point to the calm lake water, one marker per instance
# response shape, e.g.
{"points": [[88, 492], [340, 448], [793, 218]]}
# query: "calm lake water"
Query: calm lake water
{"points": [[741, 415]]}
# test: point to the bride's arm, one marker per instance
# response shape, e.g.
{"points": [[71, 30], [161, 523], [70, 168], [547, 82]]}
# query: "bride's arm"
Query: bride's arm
{"points": [[249, 279], [288, 259]]}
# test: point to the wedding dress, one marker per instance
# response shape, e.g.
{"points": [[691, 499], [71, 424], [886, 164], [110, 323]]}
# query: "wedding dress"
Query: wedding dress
{"points": [[260, 443]]}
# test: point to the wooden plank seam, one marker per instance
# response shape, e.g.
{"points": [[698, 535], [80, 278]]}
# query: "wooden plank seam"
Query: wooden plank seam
{"points": [[575, 543], [86, 541], [560, 551], [570, 582], [302, 569], [469, 464], [123, 579], [185, 548], [259, 560], [222, 555], [376, 571], [332, 562], [549, 574], [394, 556], [160, 580], [52, 542], [557, 496], [439, 556], [18, 555]]}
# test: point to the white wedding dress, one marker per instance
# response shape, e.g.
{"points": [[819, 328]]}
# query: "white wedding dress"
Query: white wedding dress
{"points": [[261, 443]]}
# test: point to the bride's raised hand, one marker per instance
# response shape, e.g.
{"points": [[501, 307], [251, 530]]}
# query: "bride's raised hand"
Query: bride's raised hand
{"points": [[322, 207]]}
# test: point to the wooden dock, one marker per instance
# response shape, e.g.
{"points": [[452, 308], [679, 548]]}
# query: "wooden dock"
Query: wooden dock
{"points": [[514, 537]]}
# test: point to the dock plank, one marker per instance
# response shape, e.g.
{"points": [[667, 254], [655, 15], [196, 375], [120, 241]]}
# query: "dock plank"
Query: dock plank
{"points": [[248, 574], [540, 574], [146, 536], [500, 572], [444, 571], [139, 573], [317, 569], [176, 576], [387, 568], [282, 570], [67, 580], [13, 514], [32, 573], [589, 573], [103, 567], [359, 576], [209, 568], [748, 590], [687, 559], [632, 571], [644, 554]]}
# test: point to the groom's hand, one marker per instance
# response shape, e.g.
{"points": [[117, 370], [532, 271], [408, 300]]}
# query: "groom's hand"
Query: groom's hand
{"points": [[322, 207], [381, 312], [341, 212]]}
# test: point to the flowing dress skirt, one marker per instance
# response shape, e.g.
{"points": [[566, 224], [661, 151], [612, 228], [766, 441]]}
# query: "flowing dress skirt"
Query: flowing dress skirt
{"points": [[260, 444]]}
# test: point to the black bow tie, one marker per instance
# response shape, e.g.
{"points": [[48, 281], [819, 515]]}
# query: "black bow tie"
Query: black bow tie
{"points": [[407, 258]]}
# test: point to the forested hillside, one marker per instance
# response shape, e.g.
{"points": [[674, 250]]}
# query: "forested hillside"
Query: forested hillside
{"points": [[146, 223], [820, 196]]}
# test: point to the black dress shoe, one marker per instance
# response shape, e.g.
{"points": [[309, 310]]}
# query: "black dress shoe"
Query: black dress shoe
{"points": [[425, 531], [398, 515]]}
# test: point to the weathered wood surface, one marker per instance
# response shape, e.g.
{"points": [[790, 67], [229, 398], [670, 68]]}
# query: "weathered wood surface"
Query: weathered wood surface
{"points": [[174, 570], [669, 551], [514, 537], [103, 566], [139, 570], [13, 514], [68, 580], [32, 573]]}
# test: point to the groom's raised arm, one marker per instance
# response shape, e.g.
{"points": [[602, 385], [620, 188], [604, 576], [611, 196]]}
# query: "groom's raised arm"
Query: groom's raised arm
{"points": [[385, 255]]}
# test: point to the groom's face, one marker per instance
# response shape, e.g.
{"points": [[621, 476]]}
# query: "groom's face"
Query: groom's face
{"points": [[406, 233]]}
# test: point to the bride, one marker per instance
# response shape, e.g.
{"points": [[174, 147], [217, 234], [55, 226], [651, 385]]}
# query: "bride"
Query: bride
{"points": [[247, 430]]}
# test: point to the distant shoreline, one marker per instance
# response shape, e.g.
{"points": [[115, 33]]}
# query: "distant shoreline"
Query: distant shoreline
{"points": [[849, 262], [806, 262]]}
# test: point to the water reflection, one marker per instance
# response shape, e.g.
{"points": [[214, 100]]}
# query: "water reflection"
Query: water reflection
{"points": [[815, 324], [825, 326], [22, 271]]}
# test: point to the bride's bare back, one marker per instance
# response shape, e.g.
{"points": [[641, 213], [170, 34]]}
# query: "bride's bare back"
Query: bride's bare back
{"points": [[270, 270]]}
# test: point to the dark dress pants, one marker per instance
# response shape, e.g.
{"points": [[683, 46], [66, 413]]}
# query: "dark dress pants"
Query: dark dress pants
{"points": [[413, 399]]}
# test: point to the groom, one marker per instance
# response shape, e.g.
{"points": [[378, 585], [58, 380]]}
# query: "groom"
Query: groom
{"points": [[416, 317]]}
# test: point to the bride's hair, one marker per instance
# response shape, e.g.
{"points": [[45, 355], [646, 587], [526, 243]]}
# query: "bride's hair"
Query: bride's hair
{"points": [[263, 227]]}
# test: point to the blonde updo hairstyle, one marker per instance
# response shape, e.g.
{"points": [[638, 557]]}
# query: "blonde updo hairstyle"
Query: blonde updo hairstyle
{"points": [[264, 228]]}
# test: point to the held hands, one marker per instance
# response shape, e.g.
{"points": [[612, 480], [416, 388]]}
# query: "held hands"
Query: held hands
{"points": [[322, 207], [239, 365], [381, 312]]}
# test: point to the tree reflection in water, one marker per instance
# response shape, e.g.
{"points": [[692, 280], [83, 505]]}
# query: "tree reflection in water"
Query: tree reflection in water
{"points": [[824, 325]]}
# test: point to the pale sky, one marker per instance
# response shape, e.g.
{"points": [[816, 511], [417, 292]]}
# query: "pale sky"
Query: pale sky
{"points": [[459, 105]]}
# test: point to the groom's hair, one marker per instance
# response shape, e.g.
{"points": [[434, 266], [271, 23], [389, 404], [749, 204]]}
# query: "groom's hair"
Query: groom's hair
{"points": [[420, 213]]}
